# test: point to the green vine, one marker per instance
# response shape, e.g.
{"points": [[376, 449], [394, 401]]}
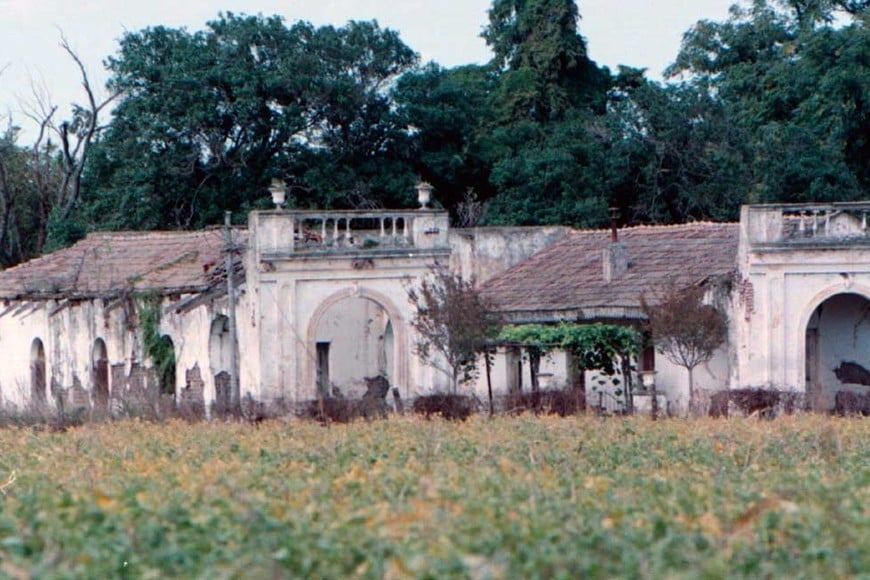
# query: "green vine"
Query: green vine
{"points": [[157, 347], [594, 346]]}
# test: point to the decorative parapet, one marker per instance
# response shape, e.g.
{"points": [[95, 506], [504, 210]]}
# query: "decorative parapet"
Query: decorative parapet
{"points": [[299, 232], [780, 226]]}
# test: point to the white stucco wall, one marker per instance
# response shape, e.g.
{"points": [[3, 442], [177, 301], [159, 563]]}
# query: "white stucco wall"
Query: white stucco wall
{"points": [[293, 293], [483, 253], [69, 330], [779, 287], [355, 329]]}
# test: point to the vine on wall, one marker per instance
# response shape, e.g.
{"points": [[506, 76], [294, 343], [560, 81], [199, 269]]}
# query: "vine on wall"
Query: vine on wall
{"points": [[157, 347]]}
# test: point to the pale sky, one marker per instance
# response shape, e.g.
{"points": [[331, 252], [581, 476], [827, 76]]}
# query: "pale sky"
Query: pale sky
{"points": [[640, 33]]}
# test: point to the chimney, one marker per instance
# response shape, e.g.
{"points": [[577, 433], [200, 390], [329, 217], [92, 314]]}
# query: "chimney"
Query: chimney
{"points": [[614, 233], [614, 257]]}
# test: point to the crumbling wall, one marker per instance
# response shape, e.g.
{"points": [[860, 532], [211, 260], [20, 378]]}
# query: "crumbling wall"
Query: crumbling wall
{"points": [[69, 330], [483, 253]]}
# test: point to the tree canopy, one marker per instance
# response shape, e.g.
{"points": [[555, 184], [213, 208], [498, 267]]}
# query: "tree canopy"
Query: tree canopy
{"points": [[769, 105], [208, 118]]}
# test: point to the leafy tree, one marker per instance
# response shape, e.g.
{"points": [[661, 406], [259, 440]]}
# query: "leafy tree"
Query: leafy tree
{"points": [[454, 323], [447, 111], [675, 155], [546, 70], [19, 201], [603, 347], [208, 118], [796, 88], [685, 329]]}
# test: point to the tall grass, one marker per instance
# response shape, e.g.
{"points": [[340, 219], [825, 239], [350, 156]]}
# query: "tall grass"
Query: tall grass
{"points": [[507, 497]]}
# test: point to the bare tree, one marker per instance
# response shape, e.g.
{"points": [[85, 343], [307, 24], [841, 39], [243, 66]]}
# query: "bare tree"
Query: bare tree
{"points": [[57, 167], [470, 211], [685, 329], [454, 322]]}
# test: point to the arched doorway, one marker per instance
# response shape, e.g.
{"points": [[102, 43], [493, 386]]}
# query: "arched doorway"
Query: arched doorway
{"points": [[37, 372], [353, 339], [163, 357], [100, 375], [837, 344], [389, 353], [220, 362]]}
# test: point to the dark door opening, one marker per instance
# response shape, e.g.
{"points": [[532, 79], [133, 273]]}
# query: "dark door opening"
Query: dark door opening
{"points": [[323, 368], [100, 364]]}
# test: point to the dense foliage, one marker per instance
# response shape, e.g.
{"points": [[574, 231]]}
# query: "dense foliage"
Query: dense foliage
{"points": [[502, 498], [767, 106], [593, 346]]}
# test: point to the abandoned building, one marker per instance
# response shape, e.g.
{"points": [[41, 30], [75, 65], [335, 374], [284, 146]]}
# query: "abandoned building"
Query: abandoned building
{"points": [[320, 303]]}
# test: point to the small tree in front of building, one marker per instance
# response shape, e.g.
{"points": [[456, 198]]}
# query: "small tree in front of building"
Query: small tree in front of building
{"points": [[454, 323], [685, 329]]}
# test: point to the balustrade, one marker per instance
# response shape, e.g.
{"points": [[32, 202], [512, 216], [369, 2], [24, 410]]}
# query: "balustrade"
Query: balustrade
{"points": [[808, 223]]}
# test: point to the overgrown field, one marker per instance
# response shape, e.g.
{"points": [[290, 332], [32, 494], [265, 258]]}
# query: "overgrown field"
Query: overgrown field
{"points": [[508, 497]]}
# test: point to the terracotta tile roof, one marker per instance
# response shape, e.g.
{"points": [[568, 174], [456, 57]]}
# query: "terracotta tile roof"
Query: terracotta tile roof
{"points": [[566, 280], [111, 262]]}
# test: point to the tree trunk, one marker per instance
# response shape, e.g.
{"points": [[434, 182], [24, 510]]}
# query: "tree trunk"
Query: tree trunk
{"points": [[489, 383], [627, 384], [535, 368], [691, 389]]}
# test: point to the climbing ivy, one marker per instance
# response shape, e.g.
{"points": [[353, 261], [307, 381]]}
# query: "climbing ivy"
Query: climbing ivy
{"points": [[594, 346], [157, 347]]}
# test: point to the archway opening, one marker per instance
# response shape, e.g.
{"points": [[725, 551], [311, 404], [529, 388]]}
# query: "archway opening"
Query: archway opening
{"points": [[220, 361], [837, 349], [37, 372], [163, 357], [354, 343], [100, 375]]}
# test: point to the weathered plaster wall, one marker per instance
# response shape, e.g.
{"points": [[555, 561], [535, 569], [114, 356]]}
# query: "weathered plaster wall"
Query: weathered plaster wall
{"points": [[779, 289], [293, 293], [20, 324], [69, 331], [483, 253], [355, 330], [672, 380]]}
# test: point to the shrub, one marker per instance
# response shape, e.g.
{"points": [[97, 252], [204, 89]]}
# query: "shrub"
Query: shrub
{"points": [[756, 401], [330, 410], [562, 402], [449, 406], [851, 403]]}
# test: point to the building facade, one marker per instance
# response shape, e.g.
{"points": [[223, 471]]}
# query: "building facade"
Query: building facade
{"points": [[320, 304]]}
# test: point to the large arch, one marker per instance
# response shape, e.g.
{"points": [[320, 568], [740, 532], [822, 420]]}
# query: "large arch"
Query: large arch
{"points": [[821, 344], [398, 335]]}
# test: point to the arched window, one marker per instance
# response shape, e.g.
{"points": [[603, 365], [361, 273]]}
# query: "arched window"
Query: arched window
{"points": [[163, 357], [100, 375], [220, 360], [37, 371]]}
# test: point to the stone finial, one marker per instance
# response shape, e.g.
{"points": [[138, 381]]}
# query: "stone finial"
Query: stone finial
{"points": [[424, 194], [279, 192]]}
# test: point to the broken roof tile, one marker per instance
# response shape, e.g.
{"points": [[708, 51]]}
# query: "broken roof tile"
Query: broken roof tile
{"points": [[111, 262], [568, 276]]}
